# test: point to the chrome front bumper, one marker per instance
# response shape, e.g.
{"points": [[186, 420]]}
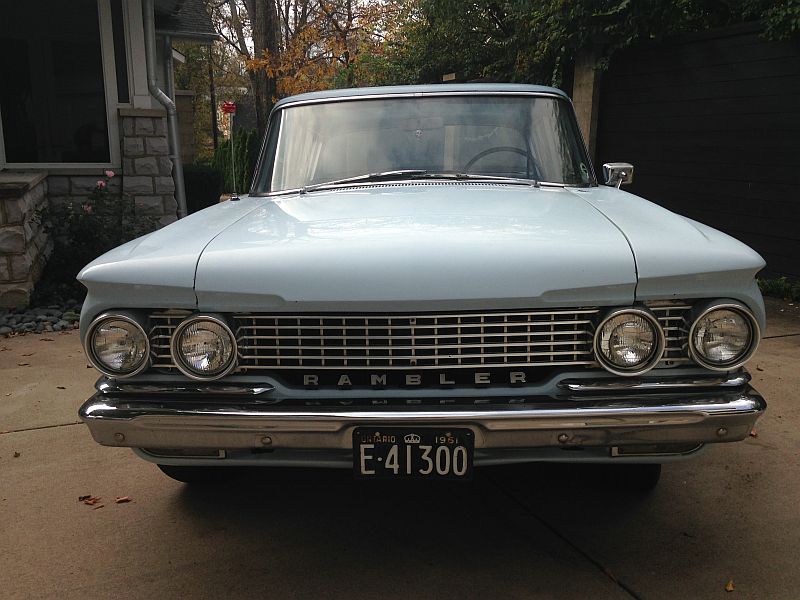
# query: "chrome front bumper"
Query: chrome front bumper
{"points": [[589, 414]]}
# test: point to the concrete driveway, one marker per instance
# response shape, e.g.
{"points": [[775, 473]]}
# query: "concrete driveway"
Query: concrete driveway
{"points": [[536, 531]]}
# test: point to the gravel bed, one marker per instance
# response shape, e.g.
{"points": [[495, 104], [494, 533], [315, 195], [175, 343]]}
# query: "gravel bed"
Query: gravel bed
{"points": [[39, 320]]}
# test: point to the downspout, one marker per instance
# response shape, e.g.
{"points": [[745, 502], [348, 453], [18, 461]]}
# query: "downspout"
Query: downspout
{"points": [[148, 16]]}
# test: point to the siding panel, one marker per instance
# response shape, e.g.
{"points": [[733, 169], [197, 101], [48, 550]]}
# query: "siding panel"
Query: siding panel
{"points": [[711, 122]]}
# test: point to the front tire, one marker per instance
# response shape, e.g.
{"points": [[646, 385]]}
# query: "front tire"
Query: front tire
{"points": [[197, 475], [638, 477]]}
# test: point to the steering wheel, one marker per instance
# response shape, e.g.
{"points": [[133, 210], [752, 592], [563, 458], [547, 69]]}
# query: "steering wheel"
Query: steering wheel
{"points": [[494, 150]]}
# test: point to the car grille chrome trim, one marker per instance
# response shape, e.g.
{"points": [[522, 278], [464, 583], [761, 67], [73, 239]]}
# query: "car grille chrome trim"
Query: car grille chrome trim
{"points": [[674, 320], [450, 340]]}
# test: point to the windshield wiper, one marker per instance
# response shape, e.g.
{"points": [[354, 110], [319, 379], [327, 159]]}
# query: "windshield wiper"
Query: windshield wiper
{"points": [[380, 176], [477, 176]]}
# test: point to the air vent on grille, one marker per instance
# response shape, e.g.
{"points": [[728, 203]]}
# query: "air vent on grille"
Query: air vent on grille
{"points": [[427, 183]]}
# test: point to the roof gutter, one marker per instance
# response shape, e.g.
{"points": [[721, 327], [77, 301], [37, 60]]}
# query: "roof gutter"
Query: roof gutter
{"points": [[148, 17]]}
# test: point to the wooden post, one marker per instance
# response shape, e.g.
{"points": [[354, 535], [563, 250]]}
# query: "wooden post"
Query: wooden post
{"points": [[586, 96]]}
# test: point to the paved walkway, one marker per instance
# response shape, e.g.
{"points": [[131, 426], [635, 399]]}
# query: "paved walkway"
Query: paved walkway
{"points": [[530, 532]]}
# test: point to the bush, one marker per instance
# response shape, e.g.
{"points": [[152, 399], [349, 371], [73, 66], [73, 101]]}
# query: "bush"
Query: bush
{"points": [[245, 149], [203, 186], [81, 233], [781, 287]]}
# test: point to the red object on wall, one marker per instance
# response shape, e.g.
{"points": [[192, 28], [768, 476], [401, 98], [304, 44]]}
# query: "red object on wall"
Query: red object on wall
{"points": [[229, 107]]}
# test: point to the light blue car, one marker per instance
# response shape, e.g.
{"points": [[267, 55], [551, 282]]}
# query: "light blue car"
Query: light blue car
{"points": [[422, 280]]}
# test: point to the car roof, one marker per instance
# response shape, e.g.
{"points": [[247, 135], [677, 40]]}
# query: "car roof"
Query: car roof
{"points": [[400, 90]]}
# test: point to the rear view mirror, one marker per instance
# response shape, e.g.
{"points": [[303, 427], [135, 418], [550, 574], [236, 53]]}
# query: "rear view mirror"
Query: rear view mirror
{"points": [[617, 174]]}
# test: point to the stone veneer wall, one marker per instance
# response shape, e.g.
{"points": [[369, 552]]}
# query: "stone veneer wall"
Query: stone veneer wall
{"points": [[146, 166], [24, 245]]}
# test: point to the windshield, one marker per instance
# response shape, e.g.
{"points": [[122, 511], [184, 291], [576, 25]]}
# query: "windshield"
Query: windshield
{"points": [[522, 137]]}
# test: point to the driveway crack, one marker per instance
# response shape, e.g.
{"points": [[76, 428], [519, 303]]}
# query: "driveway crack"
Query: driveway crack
{"points": [[603, 569], [41, 427]]}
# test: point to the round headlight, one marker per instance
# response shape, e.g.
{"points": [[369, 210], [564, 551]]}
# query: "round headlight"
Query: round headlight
{"points": [[117, 346], [723, 337], [629, 342], [204, 348]]}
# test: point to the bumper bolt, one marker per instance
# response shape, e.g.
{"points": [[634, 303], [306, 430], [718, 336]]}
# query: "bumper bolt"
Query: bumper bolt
{"points": [[722, 432], [563, 438], [266, 440], [118, 437]]}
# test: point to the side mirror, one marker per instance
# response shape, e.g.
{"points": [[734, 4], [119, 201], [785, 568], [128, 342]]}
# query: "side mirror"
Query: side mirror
{"points": [[617, 174]]}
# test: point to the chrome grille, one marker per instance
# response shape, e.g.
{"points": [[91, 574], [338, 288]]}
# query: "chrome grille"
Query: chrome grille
{"points": [[674, 319], [162, 326], [393, 341], [400, 341], [419, 341]]}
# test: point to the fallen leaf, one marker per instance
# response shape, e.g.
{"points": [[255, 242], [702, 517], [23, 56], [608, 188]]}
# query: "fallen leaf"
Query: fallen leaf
{"points": [[98, 506], [759, 368], [88, 366], [82, 498], [122, 499], [60, 387], [729, 586], [23, 364], [28, 354], [91, 500], [45, 339], [753, 433], [16, 454]]}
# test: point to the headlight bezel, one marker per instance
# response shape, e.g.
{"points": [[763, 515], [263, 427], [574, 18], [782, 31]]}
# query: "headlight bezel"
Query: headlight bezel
{"points": [[88, 345], [177, 356], [755, 335], [644, 367]]}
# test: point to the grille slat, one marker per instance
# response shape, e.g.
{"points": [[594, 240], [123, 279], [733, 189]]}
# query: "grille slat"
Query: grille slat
{"points": [[540, 338]]}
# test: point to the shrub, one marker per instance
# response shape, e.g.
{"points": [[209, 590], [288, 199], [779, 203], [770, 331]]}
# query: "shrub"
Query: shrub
{"points": [[81, 233], [781, 287], [245, 149]]}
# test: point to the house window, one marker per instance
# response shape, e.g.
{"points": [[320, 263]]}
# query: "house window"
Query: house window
{"points": [[120, 55], [52, 94]]}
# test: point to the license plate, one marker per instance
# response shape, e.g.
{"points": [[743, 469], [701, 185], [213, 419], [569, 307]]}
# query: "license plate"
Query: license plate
{"points": [[418, 453]]}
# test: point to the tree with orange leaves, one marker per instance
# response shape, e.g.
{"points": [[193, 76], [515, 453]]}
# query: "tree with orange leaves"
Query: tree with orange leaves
{"points": [[329, 43]]}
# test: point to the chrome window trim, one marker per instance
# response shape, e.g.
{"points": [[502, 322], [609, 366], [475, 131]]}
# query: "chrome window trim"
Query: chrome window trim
{"points": [[177, 358], [652, 362], [88, 346], [755, 337], [432, 94]]}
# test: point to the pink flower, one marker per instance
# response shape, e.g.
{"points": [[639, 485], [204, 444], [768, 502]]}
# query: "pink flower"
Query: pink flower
{"points": [[109, 174], [87, 208], [101, 185]]}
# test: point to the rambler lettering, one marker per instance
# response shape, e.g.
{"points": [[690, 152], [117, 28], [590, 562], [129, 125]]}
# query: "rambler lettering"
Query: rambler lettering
{"points": [[383, 380]]}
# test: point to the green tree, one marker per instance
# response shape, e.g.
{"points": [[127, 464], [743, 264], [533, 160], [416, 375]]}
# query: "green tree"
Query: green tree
{"points": [[535, 41]]}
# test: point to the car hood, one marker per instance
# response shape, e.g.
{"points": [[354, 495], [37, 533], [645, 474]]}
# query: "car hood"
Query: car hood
{"points": [[676, 257], [158, 269], [418, 246]]}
